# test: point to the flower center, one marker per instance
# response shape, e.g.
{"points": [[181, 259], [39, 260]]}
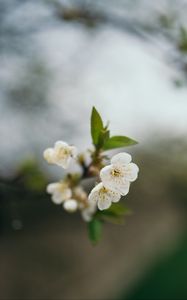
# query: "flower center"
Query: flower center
{"points": [[62, 153], [103, 191], [116, 173]]}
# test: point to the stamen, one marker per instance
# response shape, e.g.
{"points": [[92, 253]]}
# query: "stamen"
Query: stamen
{"points": [[116, 173]]}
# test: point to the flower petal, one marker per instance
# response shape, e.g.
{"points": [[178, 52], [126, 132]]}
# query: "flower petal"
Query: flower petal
{"points": [[131, 172], [52, 187], [104, 202], [123, 187], [120, 186], [122, 158], [115, 197], [48, 154], [105, 173], [57, 198], [60, 144], [64, 163], [70, 205], [94, 194]]}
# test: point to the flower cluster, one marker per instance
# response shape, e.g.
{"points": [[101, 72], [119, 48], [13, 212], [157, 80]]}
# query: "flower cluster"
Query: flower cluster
{"points": [[115, 181], [72, 197], [113, 177]]}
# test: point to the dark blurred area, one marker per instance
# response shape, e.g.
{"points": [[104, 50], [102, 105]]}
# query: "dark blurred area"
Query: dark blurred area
{"points": [[58, 59]]}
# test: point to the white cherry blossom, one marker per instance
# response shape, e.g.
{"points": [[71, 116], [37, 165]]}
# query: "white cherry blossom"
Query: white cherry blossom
{"points": [[103, 196], [61, 154], [120, 173], [60, 192]]}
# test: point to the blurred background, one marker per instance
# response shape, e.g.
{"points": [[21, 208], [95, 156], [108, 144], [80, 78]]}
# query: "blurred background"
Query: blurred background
{"points": [[58, 59]]}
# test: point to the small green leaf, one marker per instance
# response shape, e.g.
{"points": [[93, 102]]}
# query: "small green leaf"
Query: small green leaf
{"points": [[96, 126], [94, 229], [114, 214], [118, 209], [118, 142], [103, 137], [118, 220]]}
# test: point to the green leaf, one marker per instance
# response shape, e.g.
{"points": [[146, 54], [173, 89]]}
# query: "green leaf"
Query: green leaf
{"points": [[118, 142], [117, 220], [103, 137], [115, 214], [118, 209], [96, 126], [94, 229]]}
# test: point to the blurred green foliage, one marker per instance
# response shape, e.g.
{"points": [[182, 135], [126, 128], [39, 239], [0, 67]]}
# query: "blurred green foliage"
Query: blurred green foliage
{"points": [[183, 40], [33, 177], [166, 280]]}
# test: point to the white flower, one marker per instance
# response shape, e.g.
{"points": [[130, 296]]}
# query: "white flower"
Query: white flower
{"points": [[61, 154], [70, 205], [59, 191], [103, 196], [120, 173], [88, 212]]}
